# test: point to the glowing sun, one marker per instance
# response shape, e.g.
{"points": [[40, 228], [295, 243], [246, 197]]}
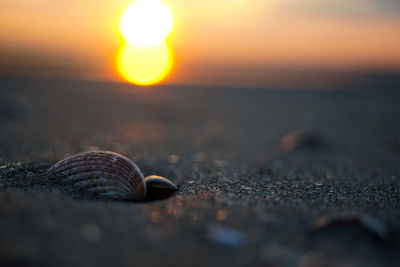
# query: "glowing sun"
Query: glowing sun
{"points": [[146, 22], [146, 57], [145, 65]]}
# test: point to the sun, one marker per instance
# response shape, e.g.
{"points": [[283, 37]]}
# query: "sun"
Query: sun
{"points": [[146, 57], [146, 22], [145, 65]]}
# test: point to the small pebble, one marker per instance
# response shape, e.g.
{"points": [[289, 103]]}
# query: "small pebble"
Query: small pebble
{"points": [[373, 226], [300, 139], [173, 158], [225, 237]]}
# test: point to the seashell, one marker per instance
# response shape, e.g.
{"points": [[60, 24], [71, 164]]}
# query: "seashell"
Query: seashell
{"points": [[159, 187], [111, 175]]}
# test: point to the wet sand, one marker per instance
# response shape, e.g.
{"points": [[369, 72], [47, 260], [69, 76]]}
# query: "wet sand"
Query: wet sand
{"points": [[255, 168]]}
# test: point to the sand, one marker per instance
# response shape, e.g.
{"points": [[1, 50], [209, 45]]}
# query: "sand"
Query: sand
{"points": [[255, 168]]}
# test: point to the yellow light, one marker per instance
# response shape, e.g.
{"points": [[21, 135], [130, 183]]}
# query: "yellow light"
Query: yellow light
{"points": [[145, 65], [146, 22]]}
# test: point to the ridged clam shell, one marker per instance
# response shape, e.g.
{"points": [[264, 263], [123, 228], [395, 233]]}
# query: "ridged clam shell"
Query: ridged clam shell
{"points": [[107, 173]]}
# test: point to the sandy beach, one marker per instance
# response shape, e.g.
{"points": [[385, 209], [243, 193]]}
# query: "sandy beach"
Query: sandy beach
{"points": [[256, 170]]}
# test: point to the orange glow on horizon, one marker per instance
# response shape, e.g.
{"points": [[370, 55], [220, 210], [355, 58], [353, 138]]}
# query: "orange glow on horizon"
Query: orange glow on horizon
{"points": [[214, 42]]}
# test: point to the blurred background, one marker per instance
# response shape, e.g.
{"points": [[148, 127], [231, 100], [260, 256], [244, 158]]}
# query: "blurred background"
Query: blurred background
{"points": [[246, 43]]}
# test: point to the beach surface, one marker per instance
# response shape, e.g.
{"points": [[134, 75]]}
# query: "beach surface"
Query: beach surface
{"points": [[266, 177]]}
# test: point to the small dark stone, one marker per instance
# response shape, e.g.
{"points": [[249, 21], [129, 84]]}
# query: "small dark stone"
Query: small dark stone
{"points": [[158, 188], [302, 139], [364, 225]]}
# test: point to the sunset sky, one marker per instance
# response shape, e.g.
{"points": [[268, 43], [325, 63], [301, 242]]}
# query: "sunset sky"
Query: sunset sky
{"points": [[225, 42]]}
